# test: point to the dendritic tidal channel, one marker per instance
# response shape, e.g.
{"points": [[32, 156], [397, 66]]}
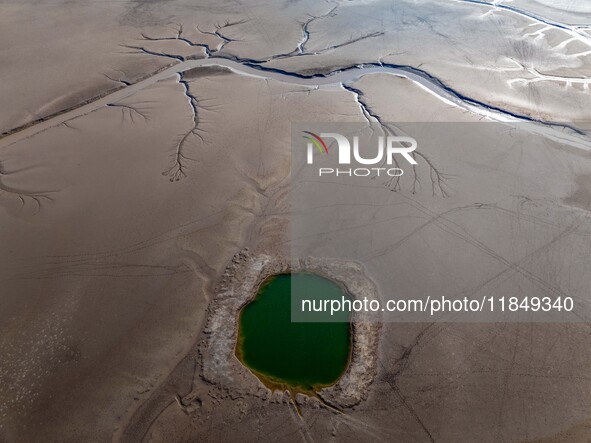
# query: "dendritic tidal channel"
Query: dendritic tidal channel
{"points": [[295, 356]]}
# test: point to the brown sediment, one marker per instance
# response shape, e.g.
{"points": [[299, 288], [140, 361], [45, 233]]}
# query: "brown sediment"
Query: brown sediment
{"points": [[80, 104]]}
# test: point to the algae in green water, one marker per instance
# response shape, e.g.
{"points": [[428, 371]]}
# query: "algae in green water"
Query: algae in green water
{"points": [[300, 356]]}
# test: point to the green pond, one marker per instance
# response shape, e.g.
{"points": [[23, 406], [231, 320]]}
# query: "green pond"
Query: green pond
{"points": [[285, 354]]}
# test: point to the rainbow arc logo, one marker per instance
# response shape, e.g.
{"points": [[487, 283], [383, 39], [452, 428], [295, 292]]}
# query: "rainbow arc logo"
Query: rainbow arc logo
{"points": [[317, 141]]}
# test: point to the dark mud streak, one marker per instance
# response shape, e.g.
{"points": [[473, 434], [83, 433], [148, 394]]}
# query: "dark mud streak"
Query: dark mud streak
{"points": [[258, 64], [219, 34], [531, 15], [141, 49], [128, 111], [179, 37], [23, 196], [422, 74], [438, 179], [177, 170]]}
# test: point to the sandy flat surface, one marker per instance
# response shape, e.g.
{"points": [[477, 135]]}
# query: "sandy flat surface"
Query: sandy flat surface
{"points": [[120, 211]]}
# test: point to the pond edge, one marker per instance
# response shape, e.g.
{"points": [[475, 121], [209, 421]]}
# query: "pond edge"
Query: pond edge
{"points": [[239, 285]]}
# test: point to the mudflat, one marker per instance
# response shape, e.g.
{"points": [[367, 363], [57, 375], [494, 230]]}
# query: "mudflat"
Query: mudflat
{"points": [[146, 178]]}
